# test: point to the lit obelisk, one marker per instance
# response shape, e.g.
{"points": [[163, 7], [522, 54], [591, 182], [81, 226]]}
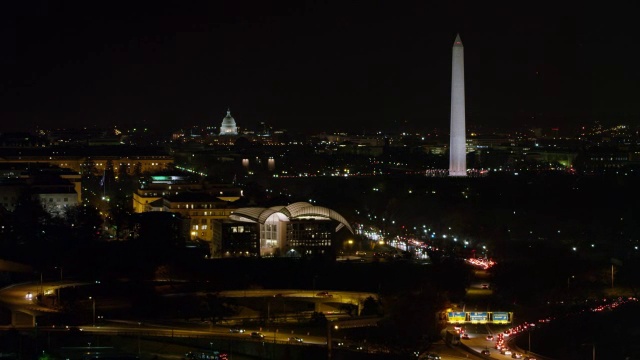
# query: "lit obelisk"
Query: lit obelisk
{"points": [[458, 140]]}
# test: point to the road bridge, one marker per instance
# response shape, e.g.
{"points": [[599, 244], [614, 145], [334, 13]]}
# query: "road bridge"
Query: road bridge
{"points": [[22, 300], [318, 297]]}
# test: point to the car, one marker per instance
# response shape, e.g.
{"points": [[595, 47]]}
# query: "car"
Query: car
{"points": [[485, 352], [324, 294], [236, 330], [465, 336], [74, 329], [516, 355], [295, 339], [208, 355], [505, 351], [489, 337], [529, 358], [485, 286], [433, 356], [277, 295], [257, 335]]}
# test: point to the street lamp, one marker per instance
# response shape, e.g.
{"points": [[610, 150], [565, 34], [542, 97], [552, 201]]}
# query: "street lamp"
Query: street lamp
{"points": [[139, 329], [593, 350], [59, 267], [60, 287], [568, 280], [94, 309]]}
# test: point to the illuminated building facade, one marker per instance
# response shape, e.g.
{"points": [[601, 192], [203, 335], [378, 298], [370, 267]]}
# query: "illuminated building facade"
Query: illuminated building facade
{"points": [[299, 229], [56, 189], [94, 160], [157, 186], [204, 213], [240, 239], [228, 126]]}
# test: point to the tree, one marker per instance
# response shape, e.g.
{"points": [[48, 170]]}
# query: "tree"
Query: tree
{"points": [[137, 169], [29, 219], [371, 306], [84, 222], [412, 317], [215, 307], [318, 318], [347, 308]]}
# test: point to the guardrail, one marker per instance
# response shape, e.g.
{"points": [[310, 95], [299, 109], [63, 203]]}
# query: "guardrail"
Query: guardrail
{"points": [[513, 345]]}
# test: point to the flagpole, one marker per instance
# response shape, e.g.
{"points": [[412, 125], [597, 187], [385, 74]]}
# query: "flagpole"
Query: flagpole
{"points": [[104, 183]]}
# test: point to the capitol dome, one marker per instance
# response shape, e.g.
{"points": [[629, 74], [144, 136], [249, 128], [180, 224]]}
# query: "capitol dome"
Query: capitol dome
{"points": [[228, 126]]}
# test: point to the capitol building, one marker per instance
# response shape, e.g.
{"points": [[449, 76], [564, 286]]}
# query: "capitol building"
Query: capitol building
{"points": [[228, 126]]}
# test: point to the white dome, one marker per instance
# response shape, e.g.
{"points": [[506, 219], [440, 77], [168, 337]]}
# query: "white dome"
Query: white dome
{"points": [[228, 126]]}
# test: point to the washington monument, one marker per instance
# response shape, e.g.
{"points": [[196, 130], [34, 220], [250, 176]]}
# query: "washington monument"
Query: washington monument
{"points": [[458, 140]]}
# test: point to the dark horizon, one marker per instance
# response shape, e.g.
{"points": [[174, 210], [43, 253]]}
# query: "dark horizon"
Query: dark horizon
{"points": [[313, 66]]}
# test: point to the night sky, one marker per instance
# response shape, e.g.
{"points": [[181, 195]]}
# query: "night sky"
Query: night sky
{"points": [[313, 65]]}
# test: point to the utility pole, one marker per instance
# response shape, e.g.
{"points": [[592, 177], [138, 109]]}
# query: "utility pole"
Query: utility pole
{"points": [[275, 331], [94, 309], [59, 287], [611, 282], [593, 350], [329, 340], [139, 325]]}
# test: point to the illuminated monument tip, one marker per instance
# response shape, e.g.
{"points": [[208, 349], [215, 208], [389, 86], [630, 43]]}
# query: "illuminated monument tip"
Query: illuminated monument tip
{"points": [[457, 41], [457, 145], [228, 126]]}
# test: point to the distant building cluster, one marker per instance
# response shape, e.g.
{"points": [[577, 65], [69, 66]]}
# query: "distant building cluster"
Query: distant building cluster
{"points": [[174, 175], [228, 133], [212, 214]]}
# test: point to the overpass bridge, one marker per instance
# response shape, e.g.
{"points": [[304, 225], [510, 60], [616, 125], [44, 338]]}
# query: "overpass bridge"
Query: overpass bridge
{"points": [[320, 298], [22, 300]]}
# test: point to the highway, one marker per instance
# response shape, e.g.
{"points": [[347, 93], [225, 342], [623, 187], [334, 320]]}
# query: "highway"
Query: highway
{"points": [[15, 297], [346, 297], [132, 328], [22, 297]]}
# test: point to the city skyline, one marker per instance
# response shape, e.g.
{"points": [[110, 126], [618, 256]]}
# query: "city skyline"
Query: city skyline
{"points": [[311, 66]]}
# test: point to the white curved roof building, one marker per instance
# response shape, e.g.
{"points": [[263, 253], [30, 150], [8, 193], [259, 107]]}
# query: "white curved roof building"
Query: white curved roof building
{"points": [[297, 229]]}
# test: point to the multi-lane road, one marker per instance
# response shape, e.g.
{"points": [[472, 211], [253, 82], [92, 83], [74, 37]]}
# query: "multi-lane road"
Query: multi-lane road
{"points": [[23, 297]]}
